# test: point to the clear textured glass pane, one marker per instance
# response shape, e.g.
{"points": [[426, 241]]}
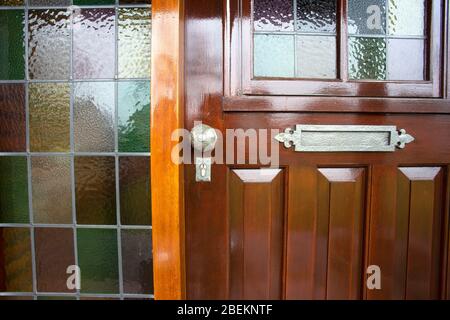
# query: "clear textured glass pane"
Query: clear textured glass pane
{"points": [[49, 3], [15, 250], [54, 253], [97, 258], [13, 190], [367, 58], [316, 57], [94, 110], [137, 262], [51, 185], [367, 17], [49, 44], [94, 43], [407, 17], [135, 191], [134, 42], [414, 50], [274, 56], [12, 118], [49, 105], [134, 116], [316, 16], [273, 15], [12, 48], [95, 187]]}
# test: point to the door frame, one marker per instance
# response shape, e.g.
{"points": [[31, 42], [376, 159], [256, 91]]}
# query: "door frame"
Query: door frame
{"points": [[167, 187]]}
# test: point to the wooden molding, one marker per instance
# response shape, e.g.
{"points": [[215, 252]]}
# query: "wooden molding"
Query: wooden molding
{"points": [[167, 94]]}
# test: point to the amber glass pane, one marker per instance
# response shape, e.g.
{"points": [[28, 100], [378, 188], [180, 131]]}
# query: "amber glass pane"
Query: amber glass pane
{"points": [[51, 185], [11, 2], [49, 105], [273, 15], [135, 190], [13, 190], [15, 259], [134, 116], [12, 48], [49, 44], [134, 42], [54, 253], [94, 43], [137, 263], [97, 258], [12, 118], [94, 116], [95, 190]]}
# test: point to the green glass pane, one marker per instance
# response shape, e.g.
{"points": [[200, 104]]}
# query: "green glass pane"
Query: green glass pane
{"points": [[406, 17], [97, 259], [93, 2], [13, 190], [12, 45], [367, 58], [135, 31], [316, 57], [49, 117], [367, 17], [15, 253], [274, 56], [134, 116], [135, 203], [95, 189]]}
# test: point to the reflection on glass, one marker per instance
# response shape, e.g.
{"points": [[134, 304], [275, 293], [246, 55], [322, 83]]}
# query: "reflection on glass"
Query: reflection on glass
{"points": [[134, 42], [94, 110], [49, 105], [51, 188], [407, 17], [49, 44], [13, 190], [367, 58], [134, 116]]}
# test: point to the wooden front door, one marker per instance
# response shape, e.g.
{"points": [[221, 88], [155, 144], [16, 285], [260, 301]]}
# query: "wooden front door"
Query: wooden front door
{"points": [[318, 225]]}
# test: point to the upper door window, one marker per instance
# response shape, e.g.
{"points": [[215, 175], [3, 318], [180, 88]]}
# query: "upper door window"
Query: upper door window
{"points": [[376, 48]]}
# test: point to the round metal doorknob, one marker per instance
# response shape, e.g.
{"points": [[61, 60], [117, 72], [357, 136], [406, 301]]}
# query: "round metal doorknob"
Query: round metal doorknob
{"points": [[203, 138]]}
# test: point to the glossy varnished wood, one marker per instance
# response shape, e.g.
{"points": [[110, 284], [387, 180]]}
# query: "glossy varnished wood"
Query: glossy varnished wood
{"points": [[256, 202], [167, 177]]}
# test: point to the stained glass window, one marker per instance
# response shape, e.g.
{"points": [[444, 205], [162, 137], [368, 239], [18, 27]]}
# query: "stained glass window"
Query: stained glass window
{"points": [[75, 149]]}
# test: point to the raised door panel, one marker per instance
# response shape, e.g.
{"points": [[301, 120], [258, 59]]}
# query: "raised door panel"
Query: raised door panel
{"points": [[325, 230], [406, 231], [256, 209]]}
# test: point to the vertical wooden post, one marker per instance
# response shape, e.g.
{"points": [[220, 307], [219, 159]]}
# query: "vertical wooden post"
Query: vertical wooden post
{"points": [[167, 94]]}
